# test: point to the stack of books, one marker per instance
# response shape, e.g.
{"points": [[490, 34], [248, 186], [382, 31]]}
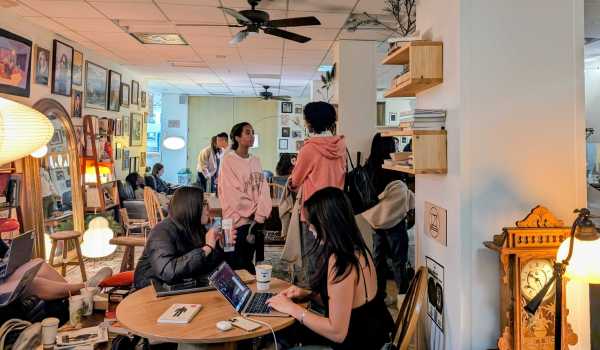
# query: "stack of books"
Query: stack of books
{"points": [[423, 119]]}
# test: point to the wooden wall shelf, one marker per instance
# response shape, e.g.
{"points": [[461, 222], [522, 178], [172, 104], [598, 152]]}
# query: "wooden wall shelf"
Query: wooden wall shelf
{"points": [[425, 67], [429, 151]]}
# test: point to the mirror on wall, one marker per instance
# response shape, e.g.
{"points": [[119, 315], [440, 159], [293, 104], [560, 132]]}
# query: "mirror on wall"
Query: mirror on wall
{"points": [[60, 195]]}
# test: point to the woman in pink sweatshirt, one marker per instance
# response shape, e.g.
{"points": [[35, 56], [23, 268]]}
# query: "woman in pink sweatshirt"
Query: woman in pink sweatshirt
{"points": [[321, 163], [244, 194]]}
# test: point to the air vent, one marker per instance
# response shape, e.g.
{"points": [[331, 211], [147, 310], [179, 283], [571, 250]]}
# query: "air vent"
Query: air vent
{"points": [[183, 99], [188, 64], [159, 38]]}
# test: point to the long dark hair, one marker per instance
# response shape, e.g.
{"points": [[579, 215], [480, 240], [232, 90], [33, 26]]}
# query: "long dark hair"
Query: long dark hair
{"points": [[284, 166], [237, 130], [330, 212], [213, 145], [132, 180], [157, 168], [186, 212]]}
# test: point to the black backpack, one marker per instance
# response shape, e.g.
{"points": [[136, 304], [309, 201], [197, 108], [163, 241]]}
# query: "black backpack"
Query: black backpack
{"points": [[359, 186]]}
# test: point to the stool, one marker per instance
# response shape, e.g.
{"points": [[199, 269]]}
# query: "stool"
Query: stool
{"points": [[129, 243], [67, 236]]}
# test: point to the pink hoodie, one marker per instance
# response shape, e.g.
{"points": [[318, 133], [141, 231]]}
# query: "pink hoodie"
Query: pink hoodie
{"points": [[243, 190], [321, 163]]}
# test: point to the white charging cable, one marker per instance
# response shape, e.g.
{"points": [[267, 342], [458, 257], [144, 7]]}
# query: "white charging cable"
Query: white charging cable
{"points": [[269, 326]]}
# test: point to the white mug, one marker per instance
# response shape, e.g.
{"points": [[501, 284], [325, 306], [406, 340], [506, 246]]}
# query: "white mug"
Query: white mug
{"points": [[49, 330], [263, 276]]}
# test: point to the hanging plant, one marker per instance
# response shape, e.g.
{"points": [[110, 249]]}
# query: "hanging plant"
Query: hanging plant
{"points": [[327, 79], [405, 14]]}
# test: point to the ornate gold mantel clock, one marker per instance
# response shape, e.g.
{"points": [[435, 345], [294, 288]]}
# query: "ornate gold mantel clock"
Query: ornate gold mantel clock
{"points": [[527, 253]]}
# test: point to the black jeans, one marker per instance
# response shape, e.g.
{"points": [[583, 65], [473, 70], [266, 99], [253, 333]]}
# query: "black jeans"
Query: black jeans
{"points": [[243, 256], [392, 244], [202, 181]]}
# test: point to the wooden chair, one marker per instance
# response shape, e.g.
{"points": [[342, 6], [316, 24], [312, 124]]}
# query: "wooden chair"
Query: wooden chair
{"points": [[138, 226], [153, 208], [129, 242], [66, 237], [411, 308]]}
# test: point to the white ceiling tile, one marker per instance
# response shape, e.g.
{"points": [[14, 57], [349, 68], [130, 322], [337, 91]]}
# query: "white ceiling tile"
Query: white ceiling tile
{"points": [[300, 58], [260, 53], [264, 68], [261, 41], [24, 11], [222, 32], [173, 52], [311, 45], [202, 42], [316, 33], [47, 23], [193, 14], [375, 35], [129, 10], [336, 6], [71, 9], [371, 7], [213, 3], [89, 25], [276, 60]]}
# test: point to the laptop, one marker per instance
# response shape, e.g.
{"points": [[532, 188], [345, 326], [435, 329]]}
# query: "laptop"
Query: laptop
{"points": [[239, 295], [190, 285], [25, 281], [20, 252]]}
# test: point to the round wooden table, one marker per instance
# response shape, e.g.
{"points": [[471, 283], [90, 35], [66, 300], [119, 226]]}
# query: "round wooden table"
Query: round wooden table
{"points": [[140, 311]]}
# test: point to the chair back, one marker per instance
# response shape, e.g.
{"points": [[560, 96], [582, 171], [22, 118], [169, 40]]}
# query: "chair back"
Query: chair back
{"points": [[276, 192], [153, 208], [406, 323], [124, 218]]}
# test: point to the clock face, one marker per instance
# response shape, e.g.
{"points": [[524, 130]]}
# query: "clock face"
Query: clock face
{"points": [[534, 276]]}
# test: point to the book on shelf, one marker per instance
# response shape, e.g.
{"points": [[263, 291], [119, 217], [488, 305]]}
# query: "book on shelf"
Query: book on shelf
{"points": [[180, 313]]}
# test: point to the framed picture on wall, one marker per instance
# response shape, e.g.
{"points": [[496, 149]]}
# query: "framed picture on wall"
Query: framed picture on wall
{"points": [[285, 132], [125, 163], [62, 68], [42, 65], [393, 117], [126, 118], [286, 107], [118, 151], [76, 104], [15, 54], [80, 139], [96, 86], [124, 95], [114, 91], [77, 68], [143, 99], [135, 92], [298, 109], [142, 160], [283, 144], [297, 134], [135, 134]]}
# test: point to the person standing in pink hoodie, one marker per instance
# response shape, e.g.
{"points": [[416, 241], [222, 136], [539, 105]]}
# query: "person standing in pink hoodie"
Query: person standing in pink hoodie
{"points": [[321, 163], [244, 195]]}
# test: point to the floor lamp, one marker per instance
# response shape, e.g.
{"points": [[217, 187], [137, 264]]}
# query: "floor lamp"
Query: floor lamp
{"points": [[575, 259]]}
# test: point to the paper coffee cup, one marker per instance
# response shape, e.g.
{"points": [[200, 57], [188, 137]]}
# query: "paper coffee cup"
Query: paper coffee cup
{"points": [[49, 330], [75, 310], [263, 276], [88, 299]]}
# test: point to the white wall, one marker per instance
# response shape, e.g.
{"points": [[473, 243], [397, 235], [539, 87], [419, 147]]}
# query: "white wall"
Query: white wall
{"points": [[515, 140], [43, 38], [592, 97], [174, 160]]}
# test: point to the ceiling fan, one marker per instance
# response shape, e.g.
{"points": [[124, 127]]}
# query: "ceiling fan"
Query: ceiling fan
{"points": [[268, 95], [255, 20]]}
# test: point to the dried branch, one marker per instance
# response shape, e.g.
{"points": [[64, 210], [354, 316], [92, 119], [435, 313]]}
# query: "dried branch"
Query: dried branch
{"points": [[404, 12]]}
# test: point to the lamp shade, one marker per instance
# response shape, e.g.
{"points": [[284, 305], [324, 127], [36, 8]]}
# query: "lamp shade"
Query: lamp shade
{"points": [[40, 152], [96, 239], [22, 130], [174, 143], [583, 265]]}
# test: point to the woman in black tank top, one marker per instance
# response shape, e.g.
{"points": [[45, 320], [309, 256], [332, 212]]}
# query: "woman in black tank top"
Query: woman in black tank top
{"points": [[337, 280]]}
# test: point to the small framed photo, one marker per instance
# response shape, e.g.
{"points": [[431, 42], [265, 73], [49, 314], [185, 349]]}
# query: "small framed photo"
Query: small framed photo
{"points": [[118, 151], [15, 64], [285, 132], [298, 109], [76, 103], [79, 135], [135, 93], [283, 144], [114, 91], [143, 99], [142, 160], [62, 72], [124, 95], [287, 107], [42, 65], [393, 116], [77, 68], [297, 134], [125, 165]]}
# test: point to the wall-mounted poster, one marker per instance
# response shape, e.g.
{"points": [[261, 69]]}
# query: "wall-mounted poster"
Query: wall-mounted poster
{"points": [[286, 107], [42, 65], [124, 95], [118, 127], [133, 164], [285, 132], [435, 292], [62, 68], [298, 109], [135, 92], [96, 86], [297, 134], [76, 104], [436, 222], [283, 144], [114, 91], [118, 151], [135, 135], [126, 123], [143, 99], [15, 56], [125, 165], [77, 68]]}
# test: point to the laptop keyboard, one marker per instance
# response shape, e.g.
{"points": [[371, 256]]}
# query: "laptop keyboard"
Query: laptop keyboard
{"points": [[258, 304]]}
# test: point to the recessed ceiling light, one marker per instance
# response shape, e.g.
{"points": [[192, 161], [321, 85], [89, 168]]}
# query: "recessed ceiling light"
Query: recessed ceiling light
{"points": [[159, 38]]}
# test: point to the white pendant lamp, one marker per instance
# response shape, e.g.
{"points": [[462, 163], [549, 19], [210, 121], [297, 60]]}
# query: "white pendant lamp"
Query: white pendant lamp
{"points": [[22, 130], [174, 143], [40, 152], [96, 239]]}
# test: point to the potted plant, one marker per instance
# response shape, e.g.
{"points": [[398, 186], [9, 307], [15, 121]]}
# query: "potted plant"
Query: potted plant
{"points": [[328, 78]]}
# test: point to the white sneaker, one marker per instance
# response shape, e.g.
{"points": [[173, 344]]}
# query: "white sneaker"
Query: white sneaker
{"points": [[100, 276]]}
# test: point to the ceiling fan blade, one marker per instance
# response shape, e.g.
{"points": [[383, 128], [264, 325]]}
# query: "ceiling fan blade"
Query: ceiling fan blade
{"points": [[238, 16], [293, 22], [239, 37], [281, 98], [287, 35]]}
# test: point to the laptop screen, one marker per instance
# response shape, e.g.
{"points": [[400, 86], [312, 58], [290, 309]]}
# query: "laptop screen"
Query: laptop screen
{"points": [[230, 285]]}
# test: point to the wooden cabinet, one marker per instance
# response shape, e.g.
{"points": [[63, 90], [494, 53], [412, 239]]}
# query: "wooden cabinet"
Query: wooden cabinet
{"points": [[429, 151], [424, 62]]}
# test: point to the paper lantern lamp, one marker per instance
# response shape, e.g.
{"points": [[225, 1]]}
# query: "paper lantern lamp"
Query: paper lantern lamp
{"points": [[40, 152], [96, 239], [22, 130], [174, 143]]}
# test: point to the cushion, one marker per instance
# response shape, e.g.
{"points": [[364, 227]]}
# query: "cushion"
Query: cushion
{"points": [[122, 279], [9, 225]]}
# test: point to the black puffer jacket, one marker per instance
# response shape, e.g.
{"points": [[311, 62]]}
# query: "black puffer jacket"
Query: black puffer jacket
{"points": [[171, 255]]}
